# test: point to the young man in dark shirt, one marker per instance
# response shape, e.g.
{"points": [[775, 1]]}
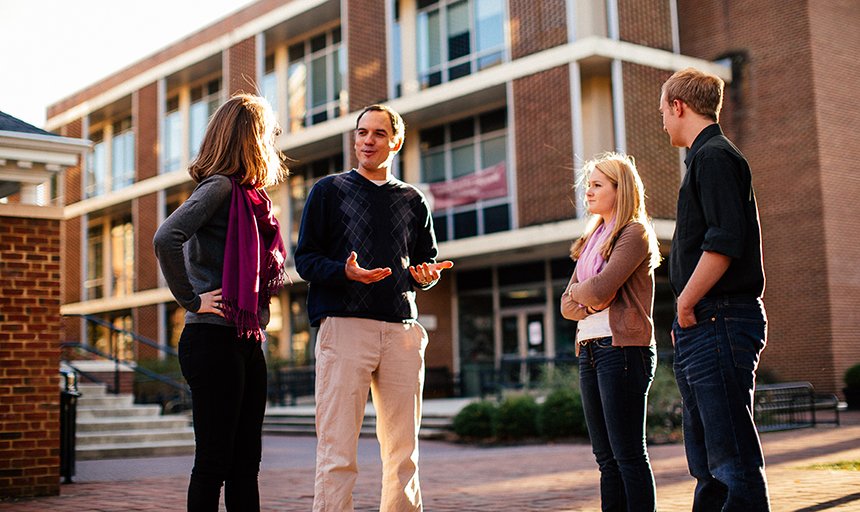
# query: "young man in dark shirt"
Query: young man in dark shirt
{"points": [[716, 272], [366, 242]]}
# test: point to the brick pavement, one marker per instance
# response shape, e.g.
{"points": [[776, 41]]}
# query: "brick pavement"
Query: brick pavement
{"points": [[561, 477]]}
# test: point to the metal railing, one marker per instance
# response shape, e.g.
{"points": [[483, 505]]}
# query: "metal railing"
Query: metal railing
{"points": [[181, 394]]}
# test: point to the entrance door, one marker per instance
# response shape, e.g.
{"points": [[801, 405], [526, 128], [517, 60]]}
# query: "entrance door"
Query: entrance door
{"points": [[523, 345]]}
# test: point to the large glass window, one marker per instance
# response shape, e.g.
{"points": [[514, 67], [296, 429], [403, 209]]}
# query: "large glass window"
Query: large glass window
{"points": [[95, 183], [302, 178], [315, 91], [172, 154], [122, 257], [456, 38], [269, 83], [464, 165], [204, 102], [122, 158], [94, 283]]}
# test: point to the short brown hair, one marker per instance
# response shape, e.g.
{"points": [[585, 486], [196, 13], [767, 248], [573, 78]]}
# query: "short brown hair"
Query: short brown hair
{"points": [[702, 92], [397, 125], [235, 143]]}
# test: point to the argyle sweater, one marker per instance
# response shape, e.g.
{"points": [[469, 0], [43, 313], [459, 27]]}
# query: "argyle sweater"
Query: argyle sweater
{"points": [[387, 226]]}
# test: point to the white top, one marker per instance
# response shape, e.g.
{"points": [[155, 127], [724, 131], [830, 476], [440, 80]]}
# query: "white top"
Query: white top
{"points": [[594, 326]]}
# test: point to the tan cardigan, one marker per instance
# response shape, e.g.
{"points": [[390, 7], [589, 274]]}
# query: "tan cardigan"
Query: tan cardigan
{"points": [[628, 276]]}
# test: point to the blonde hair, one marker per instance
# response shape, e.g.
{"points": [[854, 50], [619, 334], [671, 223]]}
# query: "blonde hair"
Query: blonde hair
{"points": [[702, 92], [621, 171], [236, 143]]}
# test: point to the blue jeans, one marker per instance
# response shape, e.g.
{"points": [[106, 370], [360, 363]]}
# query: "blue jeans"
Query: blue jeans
{"points": [[227, 377], [614, 383], [715, 363]]}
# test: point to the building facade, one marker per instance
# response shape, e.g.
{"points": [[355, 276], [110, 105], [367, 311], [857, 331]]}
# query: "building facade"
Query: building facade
{"points": [[503, 100]]}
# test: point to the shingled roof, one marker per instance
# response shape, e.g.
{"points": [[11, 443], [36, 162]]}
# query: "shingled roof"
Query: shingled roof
{"points": [[13, 124]]}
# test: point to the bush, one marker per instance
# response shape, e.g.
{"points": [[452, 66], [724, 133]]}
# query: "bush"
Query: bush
{"points": [[475, 421], [665, 409], [561, 414], [852, 377], [516, 418]]}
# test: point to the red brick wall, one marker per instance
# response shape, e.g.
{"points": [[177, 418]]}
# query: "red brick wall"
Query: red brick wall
{"points": [[367, 73], [242, 72], [835, 53], [656, 160], [543, 137], [786, 126], [29, 356], [437, 301], [145, 112], [646, 22], [70, 238], [536, 26]]}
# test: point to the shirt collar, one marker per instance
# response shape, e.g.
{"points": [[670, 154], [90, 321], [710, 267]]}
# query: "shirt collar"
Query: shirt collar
{"points": [[703, 136]]}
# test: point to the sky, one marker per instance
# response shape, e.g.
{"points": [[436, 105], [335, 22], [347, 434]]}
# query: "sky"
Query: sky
{"points": [[50, 49]]}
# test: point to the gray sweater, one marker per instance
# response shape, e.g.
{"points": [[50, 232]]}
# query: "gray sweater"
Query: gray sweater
{"points": [[190, 248]]}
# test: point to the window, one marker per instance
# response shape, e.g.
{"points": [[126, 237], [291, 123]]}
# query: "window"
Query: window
{"points": [[122, 159], [94, 283], [172, 154], [302, 178], [204, 102], [464, 165], [457, 38], [315, 91], [122, 257], [95, 183], [269, 83]]}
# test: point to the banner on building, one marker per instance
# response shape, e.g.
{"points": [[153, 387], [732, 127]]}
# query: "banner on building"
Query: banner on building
{"points": [[488, 183]]}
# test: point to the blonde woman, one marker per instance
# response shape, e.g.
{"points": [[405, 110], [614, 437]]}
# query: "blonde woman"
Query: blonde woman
{"points": [[611, 296]]}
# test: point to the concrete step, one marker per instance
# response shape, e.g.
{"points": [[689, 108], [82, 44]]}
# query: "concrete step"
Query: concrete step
{"points": [[284, 422], [137, 411], [130, 450], [128, 424], [142, 437], [106, 401]]}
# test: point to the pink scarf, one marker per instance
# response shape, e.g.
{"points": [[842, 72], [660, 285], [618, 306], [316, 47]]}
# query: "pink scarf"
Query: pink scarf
{"points": [[591, 258], [253, 259]]}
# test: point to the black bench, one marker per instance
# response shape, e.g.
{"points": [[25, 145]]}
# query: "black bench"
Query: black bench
{"points": [[792, 405]]}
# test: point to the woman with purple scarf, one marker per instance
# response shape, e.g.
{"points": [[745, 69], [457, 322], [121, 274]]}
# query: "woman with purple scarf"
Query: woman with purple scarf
{"points": [[222, 256], [611, 296]]}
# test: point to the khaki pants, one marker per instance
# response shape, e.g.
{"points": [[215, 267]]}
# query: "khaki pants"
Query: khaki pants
{"points": [[352, 355]]}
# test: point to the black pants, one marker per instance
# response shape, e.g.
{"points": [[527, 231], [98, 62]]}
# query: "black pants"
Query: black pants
{"points": [[227, 376]]}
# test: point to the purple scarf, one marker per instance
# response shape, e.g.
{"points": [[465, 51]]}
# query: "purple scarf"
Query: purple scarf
{"points": [[253, 259], [591, 258]]}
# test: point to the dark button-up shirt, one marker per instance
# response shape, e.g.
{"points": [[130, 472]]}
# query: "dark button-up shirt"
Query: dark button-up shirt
{"points": [[717, 212]]}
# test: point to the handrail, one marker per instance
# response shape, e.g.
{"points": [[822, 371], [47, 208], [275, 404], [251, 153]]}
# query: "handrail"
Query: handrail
{"points": [[115, 357]]}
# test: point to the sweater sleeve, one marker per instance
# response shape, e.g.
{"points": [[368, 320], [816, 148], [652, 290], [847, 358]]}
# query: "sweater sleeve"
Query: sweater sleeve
{"points": [[425, 244], [179, 227], [629, 252], [570, 309], [312, 258]]}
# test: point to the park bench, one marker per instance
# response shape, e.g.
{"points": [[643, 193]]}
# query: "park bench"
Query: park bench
{"points": [[791, 405]]}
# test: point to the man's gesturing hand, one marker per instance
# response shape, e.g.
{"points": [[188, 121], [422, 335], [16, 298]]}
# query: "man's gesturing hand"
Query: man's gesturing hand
{"points": [[356, 273], [428, 272]]}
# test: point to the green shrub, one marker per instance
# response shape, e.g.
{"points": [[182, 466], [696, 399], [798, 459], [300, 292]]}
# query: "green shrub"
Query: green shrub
{"points": [[852, 377], [665, 409], [516, 418], [475, 421], [561, 414]]}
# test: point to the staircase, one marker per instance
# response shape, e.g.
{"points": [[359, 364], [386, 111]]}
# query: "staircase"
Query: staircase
{"points": [[300, 420], [112, 426]]}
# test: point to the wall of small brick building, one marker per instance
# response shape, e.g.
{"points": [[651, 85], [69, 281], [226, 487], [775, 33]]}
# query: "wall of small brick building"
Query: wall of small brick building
{"points": [[367, 75], [772, 114], [29, 356], [242, 68]]}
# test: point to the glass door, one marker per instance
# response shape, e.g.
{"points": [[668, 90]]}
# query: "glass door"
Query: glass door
{"points": [[523, 345]]}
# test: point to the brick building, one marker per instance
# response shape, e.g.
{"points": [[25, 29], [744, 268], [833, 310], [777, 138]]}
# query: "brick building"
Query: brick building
{"points": [[503, 99], [31, 215]]}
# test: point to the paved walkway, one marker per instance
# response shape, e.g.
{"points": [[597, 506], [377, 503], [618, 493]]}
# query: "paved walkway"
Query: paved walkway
{"points": [[560, 477]]}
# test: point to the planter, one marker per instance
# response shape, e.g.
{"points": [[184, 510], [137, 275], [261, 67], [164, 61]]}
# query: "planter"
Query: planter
{"points": [[852, 397]]}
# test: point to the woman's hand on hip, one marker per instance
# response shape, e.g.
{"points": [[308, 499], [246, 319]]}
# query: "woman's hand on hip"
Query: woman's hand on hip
{"points": [[210, 302]]}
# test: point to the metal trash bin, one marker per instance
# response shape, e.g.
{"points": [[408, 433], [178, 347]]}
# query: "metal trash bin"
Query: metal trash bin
{"points": [[68, 417]]}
